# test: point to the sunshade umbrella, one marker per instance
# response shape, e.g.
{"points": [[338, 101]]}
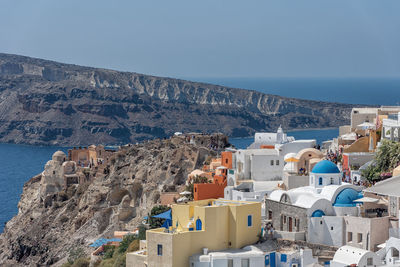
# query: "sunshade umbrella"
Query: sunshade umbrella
{"points": [[165, 215], [366, 125], [291, 159]]}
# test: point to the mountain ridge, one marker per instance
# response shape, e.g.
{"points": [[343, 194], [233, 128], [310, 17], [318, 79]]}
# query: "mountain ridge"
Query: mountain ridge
{"points": [[44, 102]]}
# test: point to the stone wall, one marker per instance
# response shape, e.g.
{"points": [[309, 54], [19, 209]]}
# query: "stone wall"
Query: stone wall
{"points": [[292, 213]]}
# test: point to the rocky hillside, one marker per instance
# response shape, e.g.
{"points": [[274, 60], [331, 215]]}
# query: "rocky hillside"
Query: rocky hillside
{"points": [[48, 227], [45, 102]]}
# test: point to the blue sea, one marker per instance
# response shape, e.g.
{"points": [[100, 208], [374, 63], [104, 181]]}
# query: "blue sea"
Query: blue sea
{"points": [[19, 163]]}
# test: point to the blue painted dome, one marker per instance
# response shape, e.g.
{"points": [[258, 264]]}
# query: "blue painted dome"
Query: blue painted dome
{"points": [[346, 198], [325, 166], [318, 213]]}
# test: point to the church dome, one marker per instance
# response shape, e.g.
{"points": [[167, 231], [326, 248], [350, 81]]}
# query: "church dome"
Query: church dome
{"points": [[59, 156], [346, 198], [325, 166]]}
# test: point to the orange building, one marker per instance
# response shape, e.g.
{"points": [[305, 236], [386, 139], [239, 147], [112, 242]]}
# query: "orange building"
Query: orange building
{"points": [[207, 191], [214, 189], [226, 159]]}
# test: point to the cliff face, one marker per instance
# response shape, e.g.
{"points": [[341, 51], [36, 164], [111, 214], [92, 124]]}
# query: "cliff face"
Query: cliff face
{"points": [[45, 102], [48, 226]]}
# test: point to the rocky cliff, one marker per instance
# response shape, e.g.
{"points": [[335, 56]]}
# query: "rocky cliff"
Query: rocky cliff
{"points": [[45, 102], [49, 224]]}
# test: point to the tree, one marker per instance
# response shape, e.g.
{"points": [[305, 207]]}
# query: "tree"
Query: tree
{"points": [[142, 232], [126, 241], [386, 159]]}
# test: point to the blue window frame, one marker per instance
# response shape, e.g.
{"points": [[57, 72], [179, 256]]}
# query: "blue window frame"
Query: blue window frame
{"points": [[320, 181], [250, 220], [283, 258], [159, 250]]}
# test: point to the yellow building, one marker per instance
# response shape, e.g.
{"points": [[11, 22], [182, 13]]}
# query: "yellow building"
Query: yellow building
{"points": [[212, 224]]}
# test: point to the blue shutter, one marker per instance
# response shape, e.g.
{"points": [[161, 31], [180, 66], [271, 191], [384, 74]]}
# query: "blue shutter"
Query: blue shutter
{"points": [[199, 225], [250, 220], [283, 258]]}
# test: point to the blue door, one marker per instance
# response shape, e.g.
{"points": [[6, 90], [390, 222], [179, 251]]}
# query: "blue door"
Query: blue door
{"points": [[272, 259], [198, 225]]}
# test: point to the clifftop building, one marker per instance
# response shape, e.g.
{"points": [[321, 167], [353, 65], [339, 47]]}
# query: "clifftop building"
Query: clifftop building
{"points": [[207, 224]]}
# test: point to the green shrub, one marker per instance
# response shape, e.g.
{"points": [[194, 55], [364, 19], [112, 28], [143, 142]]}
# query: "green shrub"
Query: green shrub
{"points": [[108, 251], [75, 254], [128, 239], [107, 263], [81, 262], [133, 246], [120, 261], [142, 232]]}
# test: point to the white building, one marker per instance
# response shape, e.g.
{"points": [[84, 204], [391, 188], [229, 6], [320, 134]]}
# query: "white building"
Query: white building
{"points": [[247, 257], [348, 255], [391, 127], [270, 139], [392, 248], [258, 165], [251, 256], [295, 146], [280, 141], [312, 213], [361, 115]]}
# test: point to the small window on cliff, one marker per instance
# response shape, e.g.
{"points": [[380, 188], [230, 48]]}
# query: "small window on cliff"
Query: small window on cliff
{"points": [[54, 172]]}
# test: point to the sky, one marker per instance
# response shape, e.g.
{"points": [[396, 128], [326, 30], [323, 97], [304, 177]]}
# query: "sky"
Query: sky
{"points": [[210, 38]]}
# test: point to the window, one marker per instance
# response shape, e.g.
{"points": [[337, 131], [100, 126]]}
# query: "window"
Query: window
{"points": [[230, 262], [277, 162], [245, 262], [320, 181], [331, 227], [369, 261], [226, 161], [159, 250], [331, 180], [349, 236], [270, 215], [250, 220], [320, 222], [395, 252], [284, 219], [283, 258], [359, 237], [272, 162]]}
